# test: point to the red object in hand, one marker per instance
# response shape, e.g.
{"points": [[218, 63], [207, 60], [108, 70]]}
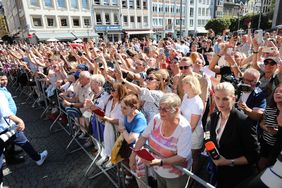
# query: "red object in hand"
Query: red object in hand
{"points": [[29, 36], [144, 154], [211, 149], [76, 45], [99, 112]]}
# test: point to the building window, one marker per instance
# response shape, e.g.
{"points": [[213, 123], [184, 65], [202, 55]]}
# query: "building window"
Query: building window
{"points": [[138, 3], [51, 22], [84, 4], [61, 3], [97, 2], [203, 11], [34, 3], [114, 2], [139, 19], [145, 4], [145, 21], [107, 18], [125, 20], [106, 2], [98, 18], [191, 2], [131, 4], [86, 22], [48, 3], [64, 22], [191, 23], [124, 3], [37, 22], [74, 4], [191, 12], [199, 11], [132, 19], [75, 22], [116, 19]]}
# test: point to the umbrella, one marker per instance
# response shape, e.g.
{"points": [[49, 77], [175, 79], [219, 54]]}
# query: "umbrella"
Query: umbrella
{"points": [[52, 40]]}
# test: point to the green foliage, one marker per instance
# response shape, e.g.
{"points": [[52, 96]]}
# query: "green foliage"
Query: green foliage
{"points": [[219, 24]]}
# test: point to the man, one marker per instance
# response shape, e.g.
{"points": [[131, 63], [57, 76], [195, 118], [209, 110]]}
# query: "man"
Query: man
{"points": [[11, 130], [10, 154], [252, 100], [186, 68]]}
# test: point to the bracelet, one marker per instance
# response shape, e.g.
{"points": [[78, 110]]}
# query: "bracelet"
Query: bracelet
{"points": [[71, 105], [218, 55], [255, 52]]}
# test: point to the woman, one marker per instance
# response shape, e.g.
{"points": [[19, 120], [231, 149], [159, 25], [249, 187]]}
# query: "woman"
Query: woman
{"points": [[234, 138], [113, 116], [169, 134], [134, 122], [150, 95], [101, 97], [192, 90]]}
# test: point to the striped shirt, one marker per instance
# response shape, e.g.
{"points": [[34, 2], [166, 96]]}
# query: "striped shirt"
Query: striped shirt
{"points": [[270, 115]]}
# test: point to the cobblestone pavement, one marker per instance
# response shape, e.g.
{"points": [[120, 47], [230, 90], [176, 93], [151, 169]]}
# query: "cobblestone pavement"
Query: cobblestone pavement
{"points": [[61, 168]]}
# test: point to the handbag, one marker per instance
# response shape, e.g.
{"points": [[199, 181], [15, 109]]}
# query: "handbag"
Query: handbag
{"points": [[125, 150], [115, 156]]}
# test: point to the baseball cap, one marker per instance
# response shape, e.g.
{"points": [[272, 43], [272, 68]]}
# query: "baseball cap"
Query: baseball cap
{"points": [[82, 67]]}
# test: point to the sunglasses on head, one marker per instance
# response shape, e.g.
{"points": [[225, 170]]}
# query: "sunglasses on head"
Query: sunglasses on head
{"points": [[270, 62], [184, 67], [113, 90]]}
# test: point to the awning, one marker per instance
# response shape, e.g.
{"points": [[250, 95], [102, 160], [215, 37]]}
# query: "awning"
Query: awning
{"points": [[139, 32], [56, 35], [85, 34]]}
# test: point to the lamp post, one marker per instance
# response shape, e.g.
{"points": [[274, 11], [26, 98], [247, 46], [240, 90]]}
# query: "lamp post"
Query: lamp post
{"points": [[240, 12], [260, 12], [180, 19]]}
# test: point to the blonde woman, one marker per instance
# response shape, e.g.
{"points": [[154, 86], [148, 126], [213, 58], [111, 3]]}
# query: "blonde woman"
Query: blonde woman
{"points": [[192, 109]]}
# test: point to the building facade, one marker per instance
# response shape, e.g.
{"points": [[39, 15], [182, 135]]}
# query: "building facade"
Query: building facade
{"points": [[45, 19], [167, 16]]}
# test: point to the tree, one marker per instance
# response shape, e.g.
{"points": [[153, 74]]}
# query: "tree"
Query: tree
{"points": [[218, 24]]}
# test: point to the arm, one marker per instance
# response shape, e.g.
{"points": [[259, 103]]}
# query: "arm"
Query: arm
{"points": [[194, 121]]}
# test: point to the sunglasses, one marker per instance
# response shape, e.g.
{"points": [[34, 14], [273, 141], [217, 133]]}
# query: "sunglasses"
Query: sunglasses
{"points": [[150, 78], [184, 67], [113, 90], [272, 63]]}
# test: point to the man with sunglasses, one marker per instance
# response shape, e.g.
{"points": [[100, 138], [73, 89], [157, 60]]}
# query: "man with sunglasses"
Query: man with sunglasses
{"points": [[186, 68]]}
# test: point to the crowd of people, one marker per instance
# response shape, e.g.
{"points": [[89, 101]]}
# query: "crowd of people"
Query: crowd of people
{"points": [[172, 95]]}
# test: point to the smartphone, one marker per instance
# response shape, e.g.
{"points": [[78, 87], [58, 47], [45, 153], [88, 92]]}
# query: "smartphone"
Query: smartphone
{"points": [[259, 36], [266, 49]]}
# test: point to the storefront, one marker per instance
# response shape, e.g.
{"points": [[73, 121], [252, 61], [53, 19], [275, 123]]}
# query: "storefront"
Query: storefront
{"points": [[111, 33]]}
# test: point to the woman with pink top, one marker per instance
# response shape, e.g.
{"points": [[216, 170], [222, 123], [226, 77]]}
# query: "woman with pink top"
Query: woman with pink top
{"points": [[169, 135]]}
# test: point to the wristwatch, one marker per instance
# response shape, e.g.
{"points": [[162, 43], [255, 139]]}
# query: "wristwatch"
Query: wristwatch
{"points": [[232, 163], [71, 105]]}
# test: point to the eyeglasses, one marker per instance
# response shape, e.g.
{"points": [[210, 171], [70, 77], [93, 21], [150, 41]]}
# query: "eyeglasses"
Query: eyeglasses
{"points": [[166, 109], [150, 78], [184, 67], [272, 63]]}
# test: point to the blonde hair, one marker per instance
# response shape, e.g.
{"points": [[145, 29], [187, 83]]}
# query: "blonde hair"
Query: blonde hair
{"points": [[194, 83], [98, 78], [225, 87], [170, 99]]}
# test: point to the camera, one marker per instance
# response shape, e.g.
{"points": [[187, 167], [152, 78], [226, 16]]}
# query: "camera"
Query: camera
{"points": [[244, 87]]}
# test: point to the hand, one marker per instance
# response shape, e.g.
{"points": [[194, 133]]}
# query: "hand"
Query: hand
{"points": [[152, 163], [244, 106], [66, 103], [20, 126], [88, 103], [121, 129], [272, 130], [221, 161]]}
